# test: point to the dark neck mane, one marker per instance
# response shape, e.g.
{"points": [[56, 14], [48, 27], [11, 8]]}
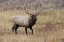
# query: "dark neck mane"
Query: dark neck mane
{"points": [[31, 22]]}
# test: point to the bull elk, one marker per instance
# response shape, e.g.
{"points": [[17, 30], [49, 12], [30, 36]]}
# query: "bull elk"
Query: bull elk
{"points": [[24, 21]]}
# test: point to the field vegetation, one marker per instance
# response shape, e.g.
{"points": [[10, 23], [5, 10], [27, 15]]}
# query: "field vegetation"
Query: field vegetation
{"points": [[48, 28]]}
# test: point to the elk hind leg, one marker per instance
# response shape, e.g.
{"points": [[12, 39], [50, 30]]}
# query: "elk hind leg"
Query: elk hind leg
{"points": [[16, 29], [13, 28]]}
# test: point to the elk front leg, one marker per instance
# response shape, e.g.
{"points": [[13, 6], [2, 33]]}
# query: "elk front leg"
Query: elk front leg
{"points": [[26, 30], [31, 29]]}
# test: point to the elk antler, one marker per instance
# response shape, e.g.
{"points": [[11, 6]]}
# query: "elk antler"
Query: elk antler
{"points": [[26, 10], [39, 11]]}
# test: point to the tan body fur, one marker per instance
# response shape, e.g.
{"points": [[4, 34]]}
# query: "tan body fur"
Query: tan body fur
{"points": [[21, 20]]}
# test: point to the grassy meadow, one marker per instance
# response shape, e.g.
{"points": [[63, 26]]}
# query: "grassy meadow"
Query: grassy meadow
{"points": [[48, 28]]}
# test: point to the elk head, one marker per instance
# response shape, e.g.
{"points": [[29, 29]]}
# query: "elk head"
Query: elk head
{"points": [[34, 16]]}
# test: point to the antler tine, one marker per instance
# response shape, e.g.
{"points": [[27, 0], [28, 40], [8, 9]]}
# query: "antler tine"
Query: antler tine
{"points": [[39, 11], [25, 10]]}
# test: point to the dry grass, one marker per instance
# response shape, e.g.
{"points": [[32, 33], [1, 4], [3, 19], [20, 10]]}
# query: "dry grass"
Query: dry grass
{"points": [[49, 27]]}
